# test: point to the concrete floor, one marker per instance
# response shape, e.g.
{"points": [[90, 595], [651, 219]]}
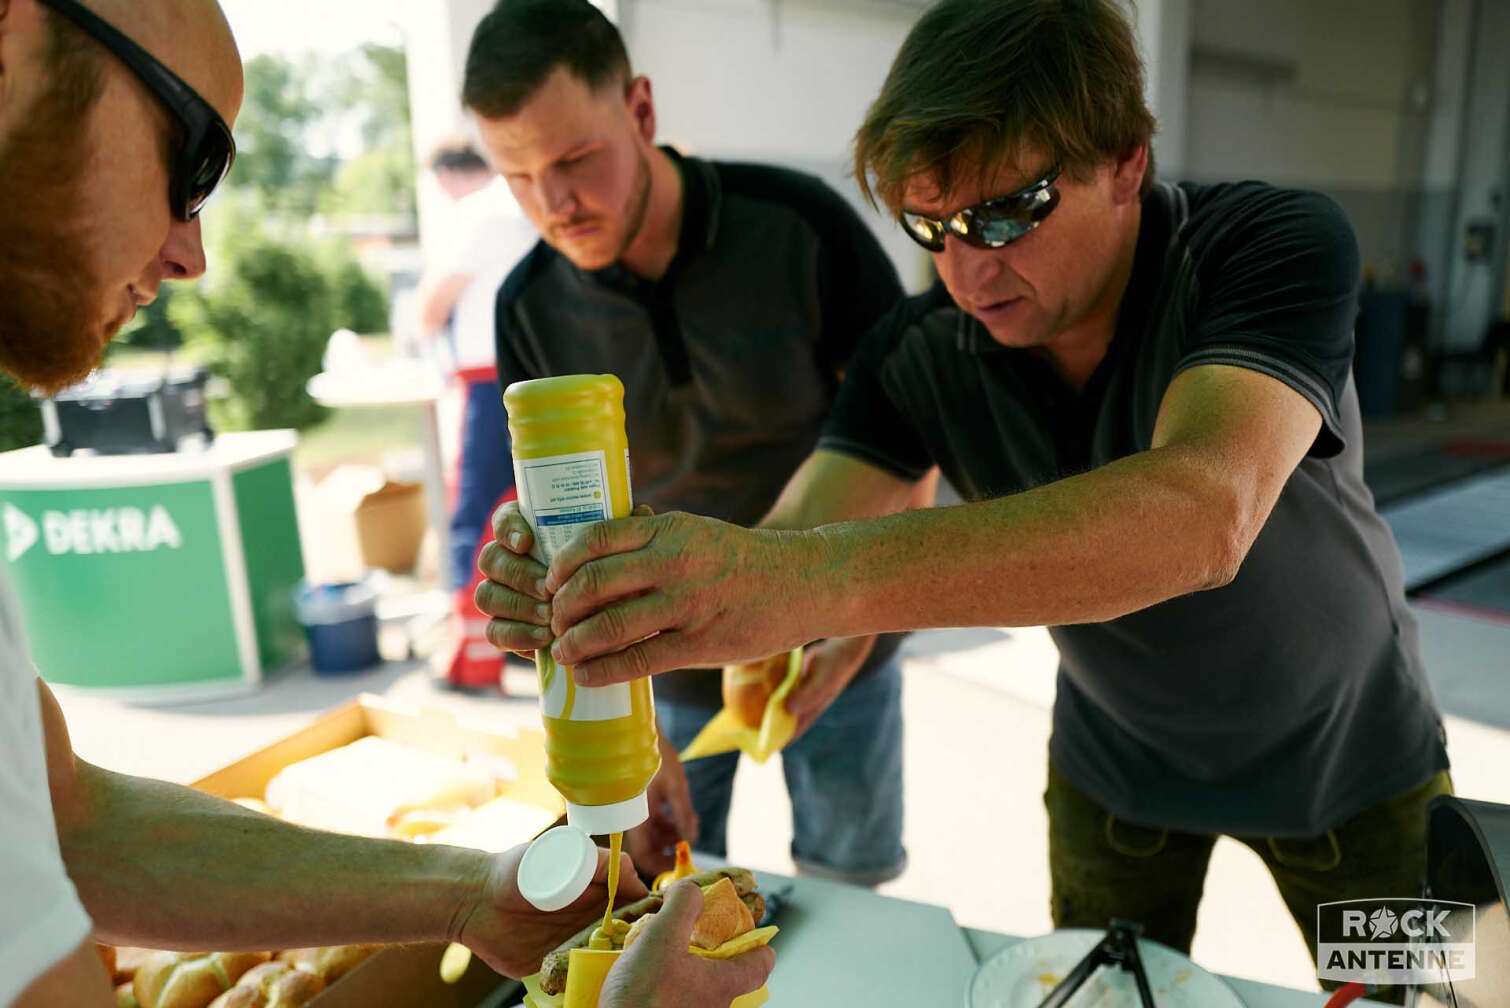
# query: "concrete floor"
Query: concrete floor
{"points": [[976, 704]]}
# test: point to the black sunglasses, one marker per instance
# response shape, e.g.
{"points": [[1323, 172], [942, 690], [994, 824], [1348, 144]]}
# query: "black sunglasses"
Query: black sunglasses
{"points": [[206, 150], [991, 224]]}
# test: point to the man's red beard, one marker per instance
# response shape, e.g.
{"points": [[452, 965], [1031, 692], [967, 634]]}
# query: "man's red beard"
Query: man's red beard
{"points": [[52, 300]]}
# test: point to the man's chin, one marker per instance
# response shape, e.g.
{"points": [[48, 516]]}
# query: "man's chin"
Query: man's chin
{"points": [[49, 368], [589, 255], [1013, 337]]}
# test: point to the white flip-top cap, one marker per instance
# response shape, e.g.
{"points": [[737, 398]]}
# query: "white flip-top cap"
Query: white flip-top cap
{"points": [[557, 868], [560, 864], [601, 820]]}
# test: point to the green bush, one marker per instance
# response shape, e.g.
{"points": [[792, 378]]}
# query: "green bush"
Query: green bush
{"points": [[152, 329], [20, 417], [262, 323], [359, 302]]}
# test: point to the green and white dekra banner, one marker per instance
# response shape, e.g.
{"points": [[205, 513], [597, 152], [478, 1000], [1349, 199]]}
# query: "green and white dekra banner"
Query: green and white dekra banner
{"points": [[164, 575]]}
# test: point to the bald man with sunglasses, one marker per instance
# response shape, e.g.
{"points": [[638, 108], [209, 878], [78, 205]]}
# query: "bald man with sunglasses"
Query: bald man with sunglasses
{"points": [[1143, 391], [114, 132]]}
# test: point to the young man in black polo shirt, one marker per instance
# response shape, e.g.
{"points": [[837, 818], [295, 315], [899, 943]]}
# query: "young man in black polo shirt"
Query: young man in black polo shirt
{"points": [[1144, 391], [728, 299]]}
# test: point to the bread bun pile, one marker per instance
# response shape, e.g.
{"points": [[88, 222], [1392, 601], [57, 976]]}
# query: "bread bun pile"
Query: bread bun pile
{"points": [[151, 979]]}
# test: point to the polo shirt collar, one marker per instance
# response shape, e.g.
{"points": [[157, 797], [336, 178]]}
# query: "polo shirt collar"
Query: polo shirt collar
{"points": [[702, 200]]}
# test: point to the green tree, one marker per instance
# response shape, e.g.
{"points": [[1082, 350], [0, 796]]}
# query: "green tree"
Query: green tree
{"points": [[272, 135], [373, 86], [358, 301], [262, 323], [152, 329]]}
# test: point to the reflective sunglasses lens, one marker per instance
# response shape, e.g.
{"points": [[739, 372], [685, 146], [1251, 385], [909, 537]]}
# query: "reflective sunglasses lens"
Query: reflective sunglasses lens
{"points": [[925, 232], [206, 167], [998, 230]]}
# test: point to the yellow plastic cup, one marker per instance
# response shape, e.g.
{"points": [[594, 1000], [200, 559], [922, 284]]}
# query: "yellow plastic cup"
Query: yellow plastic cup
{"points": [[589, 968], [571, 467]]}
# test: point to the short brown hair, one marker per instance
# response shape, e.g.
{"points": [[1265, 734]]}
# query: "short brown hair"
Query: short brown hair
{"points": [[978, 79], [457, 154], [520, 42]]}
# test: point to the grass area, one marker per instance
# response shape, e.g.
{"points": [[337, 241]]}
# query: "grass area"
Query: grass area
{"points": [[347, 436], [356, 436], [135, 360]]}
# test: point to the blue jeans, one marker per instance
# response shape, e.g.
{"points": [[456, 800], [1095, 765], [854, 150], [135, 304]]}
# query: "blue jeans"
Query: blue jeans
{"points": [[844, 778], [487, 471]]}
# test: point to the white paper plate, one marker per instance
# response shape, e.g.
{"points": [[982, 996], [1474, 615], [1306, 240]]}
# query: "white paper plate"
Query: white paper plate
{"points": [[1022, 975]]}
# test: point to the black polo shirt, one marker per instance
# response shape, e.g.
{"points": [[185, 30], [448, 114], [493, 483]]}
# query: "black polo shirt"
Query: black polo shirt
{"points": [[1282, 703], [731, 361]]}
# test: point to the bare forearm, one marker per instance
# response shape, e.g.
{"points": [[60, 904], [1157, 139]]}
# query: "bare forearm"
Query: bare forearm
{"points": [[167, 867], [1090, 548]]}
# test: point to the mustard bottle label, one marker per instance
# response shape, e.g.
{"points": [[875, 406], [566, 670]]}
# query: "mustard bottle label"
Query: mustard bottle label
{"points": [[559, 495]]}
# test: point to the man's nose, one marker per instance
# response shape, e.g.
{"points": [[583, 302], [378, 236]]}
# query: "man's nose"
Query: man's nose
{"points": [[182, 254], [972, 266], [556, 195]]}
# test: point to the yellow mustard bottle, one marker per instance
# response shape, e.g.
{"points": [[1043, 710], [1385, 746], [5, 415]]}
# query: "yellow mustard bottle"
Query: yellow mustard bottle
{"points": [[571, 468]]}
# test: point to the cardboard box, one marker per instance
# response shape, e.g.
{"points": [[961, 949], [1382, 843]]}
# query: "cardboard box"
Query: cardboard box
{"points": [[391, 526], [401, 974]]}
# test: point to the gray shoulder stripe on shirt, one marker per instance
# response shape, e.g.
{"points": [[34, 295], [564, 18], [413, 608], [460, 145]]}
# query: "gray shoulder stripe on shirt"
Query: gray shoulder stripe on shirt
{"points": [[1304, 383]]}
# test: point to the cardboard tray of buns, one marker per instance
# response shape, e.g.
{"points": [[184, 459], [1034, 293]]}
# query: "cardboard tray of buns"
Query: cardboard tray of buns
{"points": [[400, 974]]}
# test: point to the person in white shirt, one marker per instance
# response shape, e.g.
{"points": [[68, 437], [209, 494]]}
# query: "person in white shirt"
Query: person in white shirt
{"points": [[483, 236], [105, 106]]}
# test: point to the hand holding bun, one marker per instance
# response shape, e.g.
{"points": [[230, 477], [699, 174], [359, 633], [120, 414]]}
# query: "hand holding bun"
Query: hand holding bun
{"points": [[748, 688]]}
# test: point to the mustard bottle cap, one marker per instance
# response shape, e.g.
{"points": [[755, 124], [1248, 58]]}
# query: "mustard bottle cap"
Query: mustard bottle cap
{"points": [[557, 868], [601, 820]]}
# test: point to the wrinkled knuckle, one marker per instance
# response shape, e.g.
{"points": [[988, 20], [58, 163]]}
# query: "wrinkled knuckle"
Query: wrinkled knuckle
{"points": [[611, 624], [596, 537], [638, 661], [516, 572], [590, 580]]}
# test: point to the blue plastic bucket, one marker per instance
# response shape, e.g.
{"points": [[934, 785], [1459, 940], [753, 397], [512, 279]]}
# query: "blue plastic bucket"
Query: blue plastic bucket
{"points": [[340, 622]]}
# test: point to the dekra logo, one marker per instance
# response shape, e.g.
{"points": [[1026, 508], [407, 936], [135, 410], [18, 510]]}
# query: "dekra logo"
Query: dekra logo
{"points": [[91, 530]]}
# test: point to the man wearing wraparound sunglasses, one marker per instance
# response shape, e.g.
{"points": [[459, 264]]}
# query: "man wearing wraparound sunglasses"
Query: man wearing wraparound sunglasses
{"points": [[105, 110], [1143, 391]]}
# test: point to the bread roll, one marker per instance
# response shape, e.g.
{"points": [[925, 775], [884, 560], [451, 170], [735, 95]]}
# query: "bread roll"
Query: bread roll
{"points": [[748, 688], [635, 930], [272, 985], [128, 960], [724, 915], [190, 979], [496, 826], [329, 963], [370, 785]]}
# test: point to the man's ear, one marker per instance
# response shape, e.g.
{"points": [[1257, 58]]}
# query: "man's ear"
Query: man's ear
{"points": [[641, 104], [1127, 179]]}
